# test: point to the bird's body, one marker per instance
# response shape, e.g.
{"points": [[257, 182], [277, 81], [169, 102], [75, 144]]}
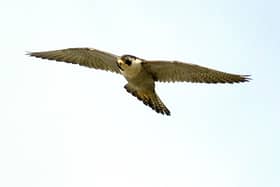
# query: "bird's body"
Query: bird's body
{"points": [[141, 74]]}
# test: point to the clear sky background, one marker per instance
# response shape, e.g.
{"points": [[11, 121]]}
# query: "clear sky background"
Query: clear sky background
{"points": [[66, 125]]}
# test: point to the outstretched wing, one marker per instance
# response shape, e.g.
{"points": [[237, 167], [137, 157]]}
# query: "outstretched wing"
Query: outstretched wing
{"points": [[168, 71], [148, 97], [88, 57]]}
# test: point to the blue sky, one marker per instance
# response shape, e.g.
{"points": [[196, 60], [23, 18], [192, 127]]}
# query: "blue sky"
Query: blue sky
{"points": [[65, 125]]}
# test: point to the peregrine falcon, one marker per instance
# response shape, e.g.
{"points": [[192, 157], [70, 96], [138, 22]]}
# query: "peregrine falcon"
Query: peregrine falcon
{"points": [[141, 74]]}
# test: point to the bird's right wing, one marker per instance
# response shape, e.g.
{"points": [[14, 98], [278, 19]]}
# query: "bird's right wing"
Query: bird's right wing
{"points": [[88, 57], [168, 71]]}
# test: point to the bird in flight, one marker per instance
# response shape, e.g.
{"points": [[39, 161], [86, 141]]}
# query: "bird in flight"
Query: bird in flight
{"points": [[142, 74]]}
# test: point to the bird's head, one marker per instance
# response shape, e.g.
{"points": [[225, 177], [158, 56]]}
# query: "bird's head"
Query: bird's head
{"points": [[128, 61]]}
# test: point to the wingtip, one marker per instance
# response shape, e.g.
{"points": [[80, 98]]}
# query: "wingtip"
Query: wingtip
{"points": [[246, 78], [28, 53]]}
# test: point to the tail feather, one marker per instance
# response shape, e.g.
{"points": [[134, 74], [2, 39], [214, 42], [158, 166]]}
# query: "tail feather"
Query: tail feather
{"points": [[149, 98]]}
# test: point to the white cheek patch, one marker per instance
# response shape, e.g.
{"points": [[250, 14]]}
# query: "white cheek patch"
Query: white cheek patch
{"points": [[132, 70], [137, 61]]}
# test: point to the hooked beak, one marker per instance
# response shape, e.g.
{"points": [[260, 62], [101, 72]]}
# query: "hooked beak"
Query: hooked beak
{"points": [[119, 63]]}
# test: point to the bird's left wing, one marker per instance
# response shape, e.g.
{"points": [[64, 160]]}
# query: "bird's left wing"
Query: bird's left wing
{"points": [[171, 71], [88, 57]]}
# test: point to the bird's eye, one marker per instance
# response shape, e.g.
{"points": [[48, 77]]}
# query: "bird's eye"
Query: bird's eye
{"points": [[128, 62]]}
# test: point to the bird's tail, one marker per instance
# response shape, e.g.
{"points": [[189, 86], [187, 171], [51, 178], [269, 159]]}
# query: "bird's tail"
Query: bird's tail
{"points": [[150, 98]]}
